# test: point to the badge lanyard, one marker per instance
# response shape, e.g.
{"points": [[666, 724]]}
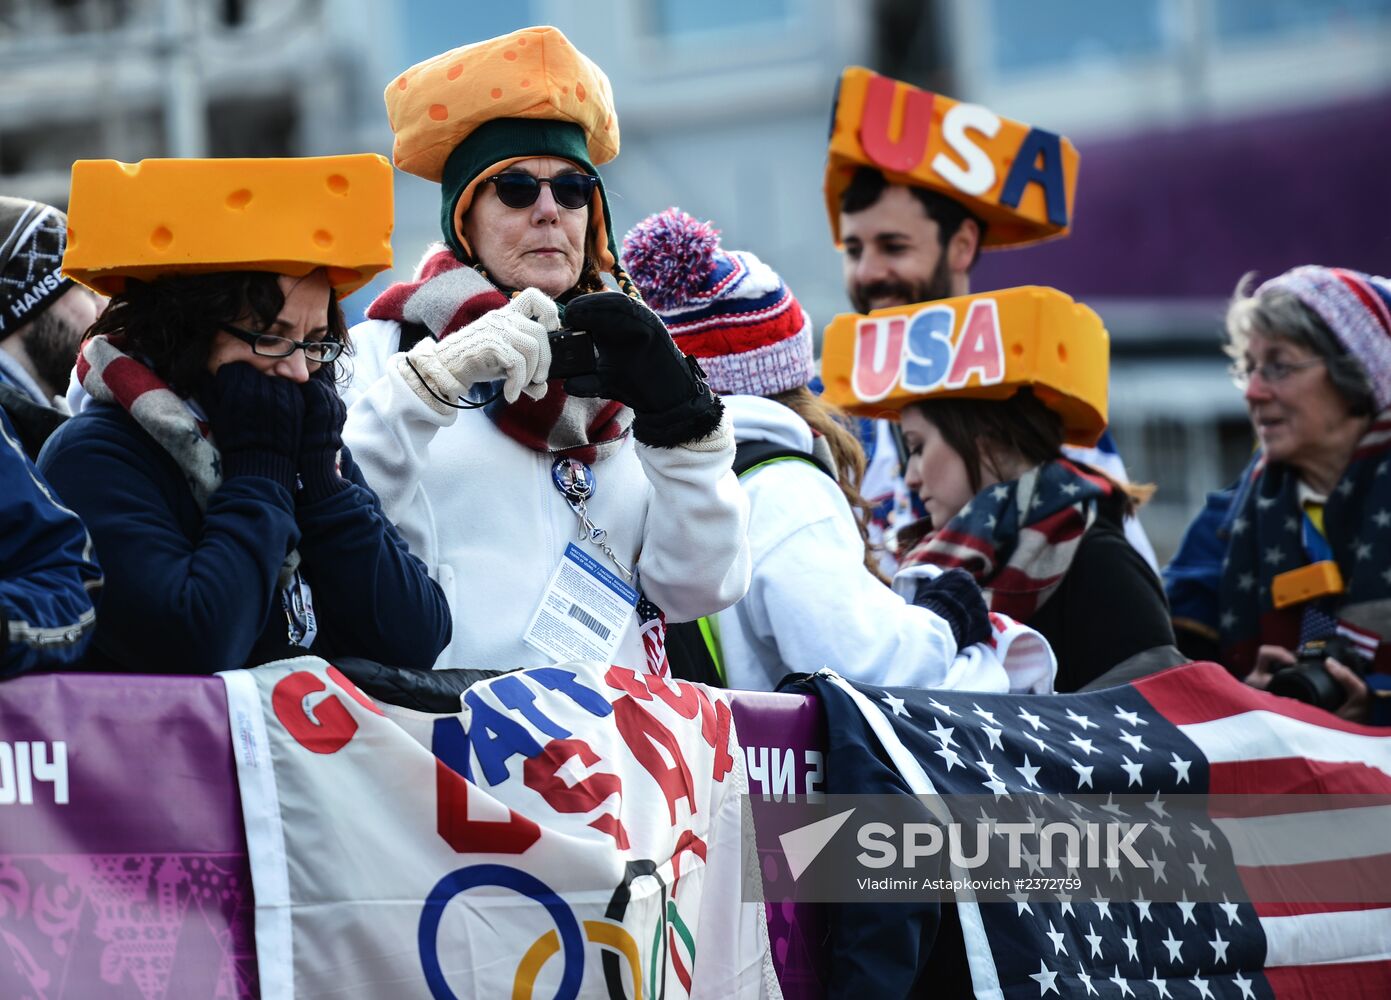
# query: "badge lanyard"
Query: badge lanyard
{"points": [[576, 483]]}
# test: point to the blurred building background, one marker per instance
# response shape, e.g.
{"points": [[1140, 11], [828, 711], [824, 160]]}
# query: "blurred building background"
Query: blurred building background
{"points": [[1216, 137]]}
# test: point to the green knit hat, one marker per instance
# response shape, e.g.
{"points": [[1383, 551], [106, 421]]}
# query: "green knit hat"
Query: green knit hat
{"points": [[506, 139]]}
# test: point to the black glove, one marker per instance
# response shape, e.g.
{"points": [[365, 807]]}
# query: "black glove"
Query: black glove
{"points": [[321, 439], [639, 365], [256, 422], [956, 596]]}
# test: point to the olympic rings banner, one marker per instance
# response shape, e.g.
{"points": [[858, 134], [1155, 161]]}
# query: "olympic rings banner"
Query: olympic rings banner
{"points": [[573, 831]]}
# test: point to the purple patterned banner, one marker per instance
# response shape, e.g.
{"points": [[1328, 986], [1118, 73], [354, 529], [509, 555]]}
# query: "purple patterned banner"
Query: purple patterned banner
{"points": [[123, 870]]}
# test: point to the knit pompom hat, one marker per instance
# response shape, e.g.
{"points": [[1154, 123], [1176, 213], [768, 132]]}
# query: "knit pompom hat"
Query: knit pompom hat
{"points": [[725, 307], [1356, 307]]}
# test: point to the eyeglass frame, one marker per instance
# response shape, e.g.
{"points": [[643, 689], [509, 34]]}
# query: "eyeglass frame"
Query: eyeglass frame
{"points": [[1271, 372], [592, 181], [254, 339]]}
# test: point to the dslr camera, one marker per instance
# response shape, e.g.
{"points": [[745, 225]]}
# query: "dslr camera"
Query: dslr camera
{"points": [[1306, 679], [572, 353]]}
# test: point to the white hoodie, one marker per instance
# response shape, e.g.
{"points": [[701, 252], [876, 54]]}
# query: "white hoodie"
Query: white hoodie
{"points": [[812, 603]]}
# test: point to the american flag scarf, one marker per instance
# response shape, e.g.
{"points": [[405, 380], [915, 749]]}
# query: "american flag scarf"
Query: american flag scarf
{"points": [[109, 375], [1018, 538], [1267, 539], [446, 296]]}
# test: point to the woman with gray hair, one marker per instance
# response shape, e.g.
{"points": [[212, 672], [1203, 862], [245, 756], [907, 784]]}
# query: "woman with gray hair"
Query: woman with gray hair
{"points": [[1312, 538]]}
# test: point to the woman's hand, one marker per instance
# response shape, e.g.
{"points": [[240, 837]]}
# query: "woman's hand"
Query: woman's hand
{"points": [[640, 365], [321, 438], [511, 343], [256, 421], [1268, 660], [1358, 706]]}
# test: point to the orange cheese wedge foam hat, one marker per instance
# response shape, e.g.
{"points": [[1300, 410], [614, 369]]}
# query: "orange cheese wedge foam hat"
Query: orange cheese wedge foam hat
{"points": [[1019, 180], [462, 116], [288, 216], [984, 346]]}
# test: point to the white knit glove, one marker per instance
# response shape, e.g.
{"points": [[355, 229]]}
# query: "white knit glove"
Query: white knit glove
{"points": [[510, 343]]}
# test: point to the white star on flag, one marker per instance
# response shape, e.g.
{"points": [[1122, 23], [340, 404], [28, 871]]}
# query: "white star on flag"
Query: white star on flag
{"points": [[1180, 767], [1082, 720], [1029, 772], [1136, 742], [1032, 720], [944, 709], [896, 704], [1056, 936], [1219, 947], [1200, 984], [1130, 718], [1084, 745], [987, 716], [1119, 980], [1094, 940], [943, 734], [1229, 908], [1044, 978], [1130, 942], [1159, 984], [1084, 774], [1175, 947], [993, 735], [1133, 770], [1086, 981]]}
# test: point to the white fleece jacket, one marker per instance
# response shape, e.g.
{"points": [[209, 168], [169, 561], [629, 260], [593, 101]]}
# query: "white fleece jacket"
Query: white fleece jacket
{"points": [[812, 603], [481, 511]]}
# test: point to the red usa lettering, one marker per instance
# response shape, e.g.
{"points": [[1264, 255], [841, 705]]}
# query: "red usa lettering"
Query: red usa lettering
{"points": [[918, 353], [25, 762]]}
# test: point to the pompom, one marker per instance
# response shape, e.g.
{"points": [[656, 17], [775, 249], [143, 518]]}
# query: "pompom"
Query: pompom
{"points": [[671, 256]]}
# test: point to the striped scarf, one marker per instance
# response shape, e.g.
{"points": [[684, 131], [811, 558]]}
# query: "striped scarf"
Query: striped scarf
{"points": [[109, 375], [1018, 538], [446, 296], [1267, 540]]}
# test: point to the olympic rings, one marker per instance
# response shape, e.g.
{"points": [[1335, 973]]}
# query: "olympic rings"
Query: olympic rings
{"points": [[569, 938]]}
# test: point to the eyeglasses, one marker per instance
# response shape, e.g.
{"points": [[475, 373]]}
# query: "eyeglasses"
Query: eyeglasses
{"points": [[1270, 372], [519, 190], [270, 346]]}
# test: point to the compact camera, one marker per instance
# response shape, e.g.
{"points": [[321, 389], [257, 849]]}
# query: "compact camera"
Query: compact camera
{"points": [[572, 353], [1306, 679]]}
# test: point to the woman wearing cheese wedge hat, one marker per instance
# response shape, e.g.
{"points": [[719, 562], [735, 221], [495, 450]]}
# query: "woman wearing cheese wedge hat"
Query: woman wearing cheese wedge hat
{"points": [[559, 514], [984, 420], [206, 458]]}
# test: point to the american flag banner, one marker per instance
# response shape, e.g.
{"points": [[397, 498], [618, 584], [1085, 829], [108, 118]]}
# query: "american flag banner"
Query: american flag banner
{"points": [[1189, 735]]}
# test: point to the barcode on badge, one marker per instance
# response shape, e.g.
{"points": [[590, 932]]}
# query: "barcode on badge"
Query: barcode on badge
{"points": [[589, 621]]}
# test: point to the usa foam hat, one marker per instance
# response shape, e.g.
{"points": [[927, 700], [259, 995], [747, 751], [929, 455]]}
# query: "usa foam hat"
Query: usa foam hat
{"points": [[983, 346], [1018, 179], [289, 216]]}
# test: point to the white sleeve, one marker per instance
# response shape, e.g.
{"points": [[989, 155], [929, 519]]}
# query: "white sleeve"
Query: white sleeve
{"points": [[813, 598], [695, 551], [389, 430]]}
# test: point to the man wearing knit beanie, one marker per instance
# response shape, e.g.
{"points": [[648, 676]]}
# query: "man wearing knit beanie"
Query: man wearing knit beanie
{"points": [[42, 316]]}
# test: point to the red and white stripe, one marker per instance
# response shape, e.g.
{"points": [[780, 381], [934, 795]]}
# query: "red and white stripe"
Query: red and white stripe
{"points": [[1255, 743]]}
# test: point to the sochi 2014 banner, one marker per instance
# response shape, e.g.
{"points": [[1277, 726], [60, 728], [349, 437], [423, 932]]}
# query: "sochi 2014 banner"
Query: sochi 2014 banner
{"points": [[572, 831]]}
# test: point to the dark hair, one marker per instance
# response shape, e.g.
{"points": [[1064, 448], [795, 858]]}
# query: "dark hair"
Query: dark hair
{"points": [[170, 323], [979, 430], [868, 185]]}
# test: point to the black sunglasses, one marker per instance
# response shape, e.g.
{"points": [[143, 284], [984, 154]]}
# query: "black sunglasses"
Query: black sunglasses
{"points": [[519, 190], [270, 346]]}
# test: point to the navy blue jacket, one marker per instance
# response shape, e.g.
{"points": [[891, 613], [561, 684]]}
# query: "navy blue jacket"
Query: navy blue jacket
{"points": [[48, 575], [194, 592]]}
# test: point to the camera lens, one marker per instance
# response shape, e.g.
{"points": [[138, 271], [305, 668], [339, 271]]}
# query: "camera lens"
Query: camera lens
{"points": [[1309, 684]]}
